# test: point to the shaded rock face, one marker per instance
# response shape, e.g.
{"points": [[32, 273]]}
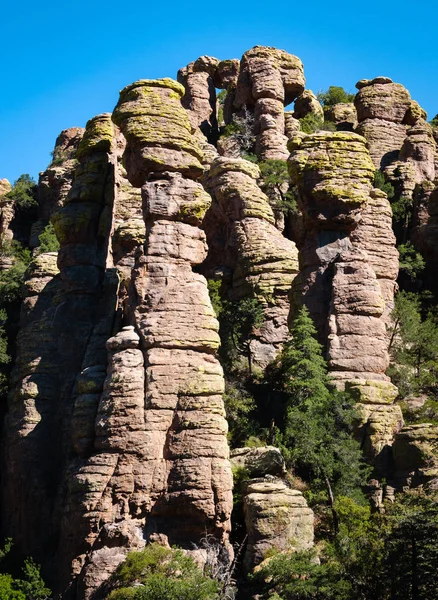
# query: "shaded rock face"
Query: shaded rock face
{"points": [[343, 115], [269, 79], [307, 103], [425, 236], [276, 515], [415, 454], [345, 281], [66, 319], [244, 241]]}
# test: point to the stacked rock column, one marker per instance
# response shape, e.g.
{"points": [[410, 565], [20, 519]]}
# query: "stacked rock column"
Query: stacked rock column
{"points": [[268, 80], [344, 281], [184, 420], [263, 262]]}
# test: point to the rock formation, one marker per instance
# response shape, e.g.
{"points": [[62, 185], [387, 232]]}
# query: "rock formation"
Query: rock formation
{"points": [[415, 453], [269, 79], [6, 210], [116, 433], [243, 240], [276, 515], [343, 115], [347, 286], [383, 113], [55, 182]]}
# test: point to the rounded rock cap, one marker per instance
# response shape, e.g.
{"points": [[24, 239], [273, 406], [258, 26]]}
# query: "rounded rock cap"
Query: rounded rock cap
{"points": [[165, 82]]}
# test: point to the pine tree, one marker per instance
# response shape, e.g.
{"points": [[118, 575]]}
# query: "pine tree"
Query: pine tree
{"points": [[318, 419]]}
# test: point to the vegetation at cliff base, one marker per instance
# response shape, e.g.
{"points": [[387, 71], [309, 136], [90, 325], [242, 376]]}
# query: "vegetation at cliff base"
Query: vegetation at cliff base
{"points": [[375, 556], [28, 585], [160, 573]]}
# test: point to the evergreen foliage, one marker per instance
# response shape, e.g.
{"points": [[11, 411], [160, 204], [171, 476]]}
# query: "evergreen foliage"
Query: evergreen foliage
{"points": [[318, 419], [414, 347], [381, 184], [48, 240], [29, 586], [389, 556], [23, 192], [335, 95], [312, 123], [276, 185], [411, 261]]}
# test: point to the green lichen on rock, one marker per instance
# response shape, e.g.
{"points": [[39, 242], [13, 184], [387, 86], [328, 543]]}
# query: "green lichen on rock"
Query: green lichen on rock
{"points": [[335, 165], [98, 136], [372, 392]]}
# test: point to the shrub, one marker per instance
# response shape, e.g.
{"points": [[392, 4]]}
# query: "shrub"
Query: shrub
{"points": [[411, 261], [23, 192], [381, 184], [335, 95], [48, 240], [276, 185], [159, 573], [312, 123]]}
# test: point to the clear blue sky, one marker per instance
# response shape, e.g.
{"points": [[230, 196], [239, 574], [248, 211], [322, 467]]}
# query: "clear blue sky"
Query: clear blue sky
{"points": [[65, 61]]}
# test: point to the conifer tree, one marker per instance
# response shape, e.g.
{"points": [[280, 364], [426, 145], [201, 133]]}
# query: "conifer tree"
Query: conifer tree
{"points": [[318, 418]]}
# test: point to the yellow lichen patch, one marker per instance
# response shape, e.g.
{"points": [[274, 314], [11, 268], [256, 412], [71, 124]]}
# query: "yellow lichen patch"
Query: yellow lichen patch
{"points": [[98, 136]]}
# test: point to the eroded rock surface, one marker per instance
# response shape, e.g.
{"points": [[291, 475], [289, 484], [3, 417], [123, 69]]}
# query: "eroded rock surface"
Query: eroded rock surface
{"points": [[243, 239], [346, 284], [269, 79]]}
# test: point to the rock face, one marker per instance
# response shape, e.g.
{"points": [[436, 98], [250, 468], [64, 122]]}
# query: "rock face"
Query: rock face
{"points": [[307, 104], [65, 321], [157, 131], [415, 453], [243, 240], [346, 284], [343, 115], [200, 95], [6, 209], [55, 182], [184, 419], [276, 515], [383, 112], [269, 79]]}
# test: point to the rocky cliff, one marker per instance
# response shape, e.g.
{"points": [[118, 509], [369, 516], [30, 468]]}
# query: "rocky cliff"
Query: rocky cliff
{"points": [[116, 430]]}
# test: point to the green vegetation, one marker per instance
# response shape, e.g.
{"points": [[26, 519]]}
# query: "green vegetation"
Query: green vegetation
{"points": [[411, 261], [414, 347], [11, 284], [335, 95], [434, 122], [381, 184], [28, 586], [276, 185], [159, 573], [316, 435], [238, 319], [221, 101], [312, 123], [389, 556], [48, 240], [23, 192]]}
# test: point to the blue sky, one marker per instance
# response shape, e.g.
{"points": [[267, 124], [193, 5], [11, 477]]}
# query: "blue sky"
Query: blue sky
{"points": [[64, 62]]}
